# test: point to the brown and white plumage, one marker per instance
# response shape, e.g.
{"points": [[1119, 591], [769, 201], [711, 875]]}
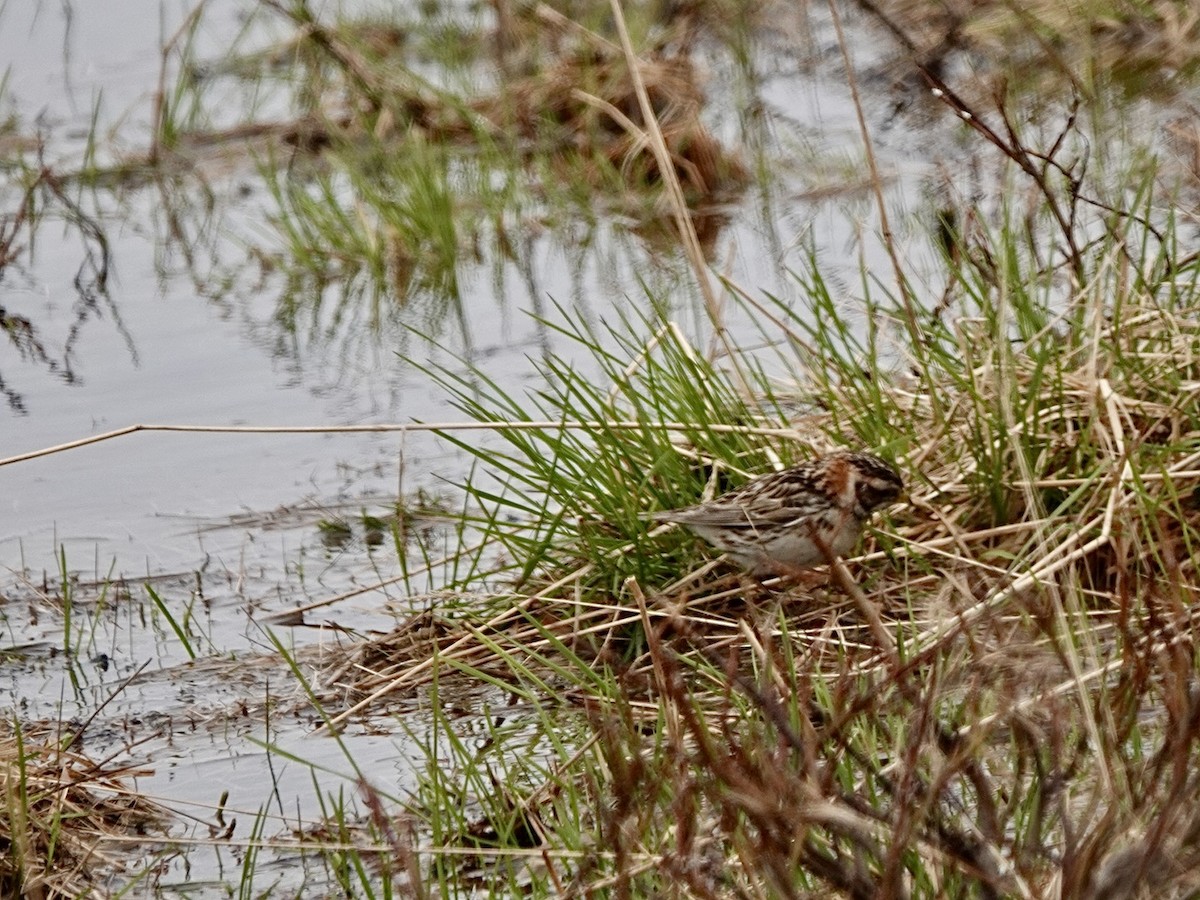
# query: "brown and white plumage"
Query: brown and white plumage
{"points": [[794, 518]]}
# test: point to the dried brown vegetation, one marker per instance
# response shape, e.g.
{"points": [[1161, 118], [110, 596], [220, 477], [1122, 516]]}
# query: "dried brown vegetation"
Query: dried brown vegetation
{"points": [[1146, 46], [59, 807], [564, 93]]}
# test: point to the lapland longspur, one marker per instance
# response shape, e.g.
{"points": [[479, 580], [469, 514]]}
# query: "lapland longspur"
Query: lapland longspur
{"points": [[795, 518]]}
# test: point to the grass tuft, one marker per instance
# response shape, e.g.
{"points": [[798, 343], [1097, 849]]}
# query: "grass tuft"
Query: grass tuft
{"points": [[1033, 728], [59, 806]]}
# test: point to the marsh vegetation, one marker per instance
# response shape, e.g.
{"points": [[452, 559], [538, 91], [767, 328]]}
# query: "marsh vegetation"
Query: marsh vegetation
{"points": [[995, 697]]}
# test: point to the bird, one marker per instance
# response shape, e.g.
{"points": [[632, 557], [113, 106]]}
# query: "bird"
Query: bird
{"points": [[796, 518]]}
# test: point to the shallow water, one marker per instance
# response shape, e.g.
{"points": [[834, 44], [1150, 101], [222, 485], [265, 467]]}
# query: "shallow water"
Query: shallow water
{"points": [[168, 346]]}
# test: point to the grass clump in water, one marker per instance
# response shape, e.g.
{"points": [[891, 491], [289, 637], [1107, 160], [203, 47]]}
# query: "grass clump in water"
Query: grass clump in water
{"points": [[59, 807], [1033, 729], [411, 163]]}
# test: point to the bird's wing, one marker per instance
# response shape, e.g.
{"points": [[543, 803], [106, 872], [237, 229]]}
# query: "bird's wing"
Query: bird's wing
{"points": [[730, 512], [775, 499]]}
